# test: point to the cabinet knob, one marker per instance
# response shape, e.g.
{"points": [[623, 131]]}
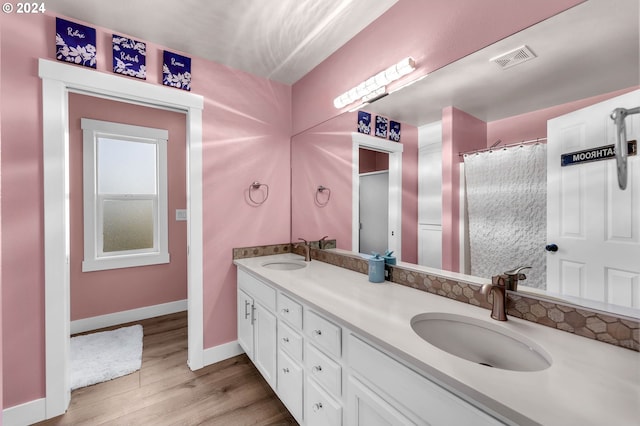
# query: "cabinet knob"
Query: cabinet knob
{"points": [[285, 311], [285, 370], [317, 332], [317, 406], [285, 339], [317, 368]]}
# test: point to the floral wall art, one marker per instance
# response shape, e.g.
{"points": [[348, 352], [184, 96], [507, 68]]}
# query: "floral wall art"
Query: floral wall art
{"points": [[75, 43], [129, 57], [176, 70]]}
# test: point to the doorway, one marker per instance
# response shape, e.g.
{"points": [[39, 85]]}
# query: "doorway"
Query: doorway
{"points": [[374, 201], [392, 150], [58, 80]]}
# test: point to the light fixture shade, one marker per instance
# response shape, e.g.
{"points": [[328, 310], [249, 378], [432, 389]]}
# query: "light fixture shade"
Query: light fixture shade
{"points": [[406, 66], [375, 83]]}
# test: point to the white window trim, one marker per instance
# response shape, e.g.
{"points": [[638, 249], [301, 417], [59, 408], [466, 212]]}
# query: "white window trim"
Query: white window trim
{"points": [[94, 259]]}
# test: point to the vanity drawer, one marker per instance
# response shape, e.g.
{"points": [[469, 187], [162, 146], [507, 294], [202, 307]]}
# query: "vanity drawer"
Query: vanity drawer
{"points": [[322, 368], [257, 289], [290, 341], [290, 311], [320, 409], [323, 333], [290, 382]]}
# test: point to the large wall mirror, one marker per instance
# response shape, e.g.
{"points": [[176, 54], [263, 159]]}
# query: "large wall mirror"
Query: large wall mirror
{"points": [[583, 56]]}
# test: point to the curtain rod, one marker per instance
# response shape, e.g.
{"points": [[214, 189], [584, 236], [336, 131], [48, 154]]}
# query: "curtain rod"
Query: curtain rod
{"points": [[494, 147]]}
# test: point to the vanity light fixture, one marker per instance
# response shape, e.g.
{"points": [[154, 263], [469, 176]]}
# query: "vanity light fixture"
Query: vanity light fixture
{"points": [[375, 83]]}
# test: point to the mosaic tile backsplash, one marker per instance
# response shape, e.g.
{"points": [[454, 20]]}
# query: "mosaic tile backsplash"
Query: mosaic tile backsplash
{"points": [[604, 327]]}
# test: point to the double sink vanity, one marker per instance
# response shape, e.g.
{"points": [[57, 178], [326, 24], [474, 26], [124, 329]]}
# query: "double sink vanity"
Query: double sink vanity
{"points": [[339, 350]]}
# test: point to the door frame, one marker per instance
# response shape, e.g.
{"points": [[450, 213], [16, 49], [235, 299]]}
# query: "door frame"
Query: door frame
{"points": [[394, 149], [58, 80]]}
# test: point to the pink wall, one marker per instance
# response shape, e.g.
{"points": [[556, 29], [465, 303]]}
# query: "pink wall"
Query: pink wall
{"points": [[246, 131], [435, 33], [373, 161], [1, 328], [409, 141], [323, 156], [461, 132], [533, 125], [104, 292]]}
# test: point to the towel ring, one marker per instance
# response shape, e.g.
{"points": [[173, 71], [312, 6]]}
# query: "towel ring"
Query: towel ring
{"points": [[254, 186], [320, 190]]}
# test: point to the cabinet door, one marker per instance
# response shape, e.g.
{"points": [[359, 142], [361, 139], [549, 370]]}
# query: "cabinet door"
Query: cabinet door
{"points": [[245, 326], [264, 339], [366, 408]]}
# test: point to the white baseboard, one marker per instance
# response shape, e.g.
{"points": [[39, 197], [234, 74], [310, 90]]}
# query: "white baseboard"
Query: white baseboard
{"points": [[94, 323], [222, 352], [25, 414]]}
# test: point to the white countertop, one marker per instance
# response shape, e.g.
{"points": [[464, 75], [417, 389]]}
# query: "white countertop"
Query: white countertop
{"points": [[588, 383]]}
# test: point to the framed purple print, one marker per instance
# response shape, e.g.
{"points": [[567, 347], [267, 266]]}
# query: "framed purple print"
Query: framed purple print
{"points": [[381, 126], [75, 43], [129, 57], [394, 131], [176, 71], [364, 122]]}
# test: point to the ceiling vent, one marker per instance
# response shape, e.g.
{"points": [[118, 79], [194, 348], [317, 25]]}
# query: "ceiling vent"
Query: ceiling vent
{"points": [[513, 57]]}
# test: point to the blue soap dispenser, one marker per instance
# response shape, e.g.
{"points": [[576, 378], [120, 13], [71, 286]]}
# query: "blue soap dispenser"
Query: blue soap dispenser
{"points": [[376, 268]]}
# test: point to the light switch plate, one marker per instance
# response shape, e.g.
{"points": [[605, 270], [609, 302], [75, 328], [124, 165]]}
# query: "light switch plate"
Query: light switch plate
{"points": [[181, 214]]}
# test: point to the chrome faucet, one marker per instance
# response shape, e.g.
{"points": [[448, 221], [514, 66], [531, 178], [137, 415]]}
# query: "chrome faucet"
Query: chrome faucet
{"points": [[515, 275], [307, 250], [499, 290]]}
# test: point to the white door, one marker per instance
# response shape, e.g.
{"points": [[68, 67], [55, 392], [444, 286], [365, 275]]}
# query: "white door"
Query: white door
{"points": [[595, 225], [245, 326], [264, 350], [374, 212]]}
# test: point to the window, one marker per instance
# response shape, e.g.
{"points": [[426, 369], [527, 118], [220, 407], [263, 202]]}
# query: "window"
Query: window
{"points": [[125, 195]]}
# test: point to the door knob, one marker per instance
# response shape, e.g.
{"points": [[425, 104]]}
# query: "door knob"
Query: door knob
{"points": [[551, 247]]}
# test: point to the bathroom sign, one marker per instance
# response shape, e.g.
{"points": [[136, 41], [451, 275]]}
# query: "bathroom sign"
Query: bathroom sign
{"points": [[595, 154]]}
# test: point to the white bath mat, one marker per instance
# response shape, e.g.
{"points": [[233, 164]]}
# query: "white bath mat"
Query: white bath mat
{"points": [[105, 355]]}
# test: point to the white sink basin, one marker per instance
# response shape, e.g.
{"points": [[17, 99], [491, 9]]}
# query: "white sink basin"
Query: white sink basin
{"points": [[481, 342], [284, 265]]}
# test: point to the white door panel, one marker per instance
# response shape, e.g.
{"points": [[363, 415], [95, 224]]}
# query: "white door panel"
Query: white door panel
{"points": [[595, 224]]}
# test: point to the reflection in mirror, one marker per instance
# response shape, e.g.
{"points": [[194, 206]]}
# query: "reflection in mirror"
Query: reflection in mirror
{"points": [[373, 210], [470, 105]]}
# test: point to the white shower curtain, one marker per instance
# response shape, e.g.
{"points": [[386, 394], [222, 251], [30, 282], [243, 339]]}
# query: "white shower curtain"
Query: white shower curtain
{"points": [[507, 206]]}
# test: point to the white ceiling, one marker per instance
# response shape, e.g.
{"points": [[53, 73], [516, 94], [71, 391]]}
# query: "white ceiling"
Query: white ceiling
{"points": [[278, 39], [590, 49]]}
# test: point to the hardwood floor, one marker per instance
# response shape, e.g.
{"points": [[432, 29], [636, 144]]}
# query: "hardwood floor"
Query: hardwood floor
{"points": [[165, 392]]}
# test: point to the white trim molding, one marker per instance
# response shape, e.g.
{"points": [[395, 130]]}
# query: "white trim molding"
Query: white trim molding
{"points": [[24, 414], [394, 149], [58, 80], [123, 317], [222, 352]]}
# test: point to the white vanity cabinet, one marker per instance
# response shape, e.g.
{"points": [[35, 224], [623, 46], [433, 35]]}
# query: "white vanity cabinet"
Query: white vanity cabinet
{"points": [[257, 326], [327, 375]]}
